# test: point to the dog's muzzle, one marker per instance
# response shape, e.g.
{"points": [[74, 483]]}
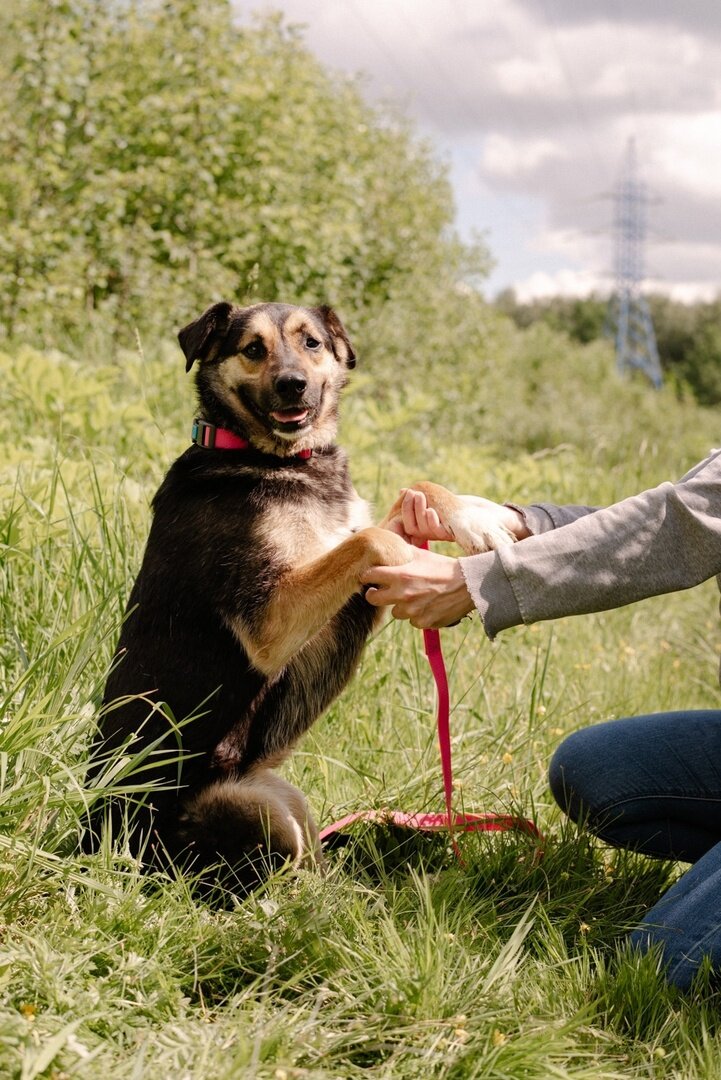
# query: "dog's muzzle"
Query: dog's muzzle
{"points": [[291, 411], [291, 386]]}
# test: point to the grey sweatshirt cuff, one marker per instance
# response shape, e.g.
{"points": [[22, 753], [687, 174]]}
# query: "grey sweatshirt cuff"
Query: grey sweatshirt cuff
{"points": [[485, 575], [544, 517], [491, 592], [538, 518], [486, 579]]}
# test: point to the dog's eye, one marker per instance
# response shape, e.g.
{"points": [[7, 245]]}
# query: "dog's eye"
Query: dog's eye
{"points": [[254, 351], [312, 343]]}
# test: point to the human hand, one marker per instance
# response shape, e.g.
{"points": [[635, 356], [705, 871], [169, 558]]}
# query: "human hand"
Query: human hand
{"points": [[475, 523], [418, 522], [430, 590]]}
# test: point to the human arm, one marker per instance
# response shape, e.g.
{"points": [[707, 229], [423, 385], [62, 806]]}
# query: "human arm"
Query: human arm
{"points": [[663, 540], [430, 590]]}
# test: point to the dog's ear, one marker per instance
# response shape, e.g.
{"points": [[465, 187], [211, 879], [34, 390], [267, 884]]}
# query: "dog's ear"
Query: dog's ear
{"points": [[197, 338], [342, 347]]}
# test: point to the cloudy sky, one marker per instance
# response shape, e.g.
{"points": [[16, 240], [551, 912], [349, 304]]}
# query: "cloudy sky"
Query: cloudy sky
{"points": [[533, 103]]}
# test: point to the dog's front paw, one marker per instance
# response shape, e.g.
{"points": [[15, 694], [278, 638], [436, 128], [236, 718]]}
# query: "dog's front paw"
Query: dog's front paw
{"points": [[477, 527]]}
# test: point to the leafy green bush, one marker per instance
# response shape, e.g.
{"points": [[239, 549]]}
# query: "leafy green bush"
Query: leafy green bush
{"points": [[157, 157]]}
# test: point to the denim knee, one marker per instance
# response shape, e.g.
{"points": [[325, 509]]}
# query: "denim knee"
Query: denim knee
{"points": [[574, 774]]}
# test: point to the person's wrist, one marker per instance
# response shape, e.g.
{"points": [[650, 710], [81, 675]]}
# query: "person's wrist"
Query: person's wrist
{"points": [[515, 521], [462, 595]]}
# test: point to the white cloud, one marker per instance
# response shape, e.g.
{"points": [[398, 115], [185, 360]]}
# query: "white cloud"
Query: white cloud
{"points": [[582, 283], [688, 152], [686, 292], [520, 76], [534, 100], [574, 283], [503, 157]]}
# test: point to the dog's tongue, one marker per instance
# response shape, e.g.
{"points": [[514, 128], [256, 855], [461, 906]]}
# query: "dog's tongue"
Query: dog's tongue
{"points": [[289, 416]]}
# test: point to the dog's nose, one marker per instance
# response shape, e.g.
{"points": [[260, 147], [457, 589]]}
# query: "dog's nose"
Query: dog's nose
{"points": [[290, 385]]}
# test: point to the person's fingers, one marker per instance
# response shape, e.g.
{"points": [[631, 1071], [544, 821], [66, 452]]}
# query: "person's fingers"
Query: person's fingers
{"points": [[420, 511], [430, 523], [385, 598], [408, 513], [403, 611], [435, 527], [419, 519]]}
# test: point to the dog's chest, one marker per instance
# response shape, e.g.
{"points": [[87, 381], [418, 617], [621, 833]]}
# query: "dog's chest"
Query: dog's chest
{"points": [[298, 534]]}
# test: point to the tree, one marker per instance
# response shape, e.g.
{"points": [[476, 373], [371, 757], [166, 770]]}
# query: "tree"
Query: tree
{"points": [[159, 156]]}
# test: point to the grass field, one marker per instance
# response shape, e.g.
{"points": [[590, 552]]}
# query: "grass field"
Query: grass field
{"points": [[399, 963]]}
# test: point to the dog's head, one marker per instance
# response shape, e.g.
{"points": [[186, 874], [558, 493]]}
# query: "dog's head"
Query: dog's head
{"points": [[270, 372]]}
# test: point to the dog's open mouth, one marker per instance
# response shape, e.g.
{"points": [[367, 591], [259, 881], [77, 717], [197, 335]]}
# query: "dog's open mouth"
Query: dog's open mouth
{"points": [[290, 418]]}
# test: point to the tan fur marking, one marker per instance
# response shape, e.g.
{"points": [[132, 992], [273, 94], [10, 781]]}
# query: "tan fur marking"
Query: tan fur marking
{"points": [[261, 325], [236, 369], [298, 538], [298, 321], [300, 325], [307, 597]]}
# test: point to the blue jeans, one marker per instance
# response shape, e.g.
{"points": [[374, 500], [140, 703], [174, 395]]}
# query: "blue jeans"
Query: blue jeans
{"points": [[653, 784]]}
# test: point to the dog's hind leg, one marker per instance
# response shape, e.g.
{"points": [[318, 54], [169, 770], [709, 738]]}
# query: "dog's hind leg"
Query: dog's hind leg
{"points": [[235, 832]]}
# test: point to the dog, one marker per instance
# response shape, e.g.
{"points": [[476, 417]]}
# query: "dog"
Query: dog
{"points": [[247, 617]]}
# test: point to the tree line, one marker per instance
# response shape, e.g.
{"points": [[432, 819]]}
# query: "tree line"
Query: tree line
{"points": [[688, 335]]}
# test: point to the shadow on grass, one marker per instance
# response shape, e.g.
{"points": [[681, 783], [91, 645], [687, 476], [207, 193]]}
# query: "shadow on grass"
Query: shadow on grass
{"points": [[590, 893]]}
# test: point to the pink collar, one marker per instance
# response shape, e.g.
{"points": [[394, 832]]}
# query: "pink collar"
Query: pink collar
{"points": [[211, 437]]}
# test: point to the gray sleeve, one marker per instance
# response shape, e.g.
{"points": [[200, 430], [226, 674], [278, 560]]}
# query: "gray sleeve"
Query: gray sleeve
{"points": [[663, 540], [543, 517]]}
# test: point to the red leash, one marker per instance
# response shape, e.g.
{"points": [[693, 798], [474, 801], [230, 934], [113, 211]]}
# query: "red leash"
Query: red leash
{"points": [[434, 653], [466, 822]]}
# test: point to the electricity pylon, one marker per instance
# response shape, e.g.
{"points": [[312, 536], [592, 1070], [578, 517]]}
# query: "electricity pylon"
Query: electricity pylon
{"points": [[629, 318]]}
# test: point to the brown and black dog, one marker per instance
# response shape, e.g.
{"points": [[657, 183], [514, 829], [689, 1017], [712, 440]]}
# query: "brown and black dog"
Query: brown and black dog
{"points": [[247, 617]]}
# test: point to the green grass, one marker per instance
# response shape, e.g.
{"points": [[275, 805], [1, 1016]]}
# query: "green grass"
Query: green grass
{"points": [[400, 962]]}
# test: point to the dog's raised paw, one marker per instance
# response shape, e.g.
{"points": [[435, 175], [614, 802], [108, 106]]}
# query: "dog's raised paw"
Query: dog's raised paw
{"points": [[477, 530]]}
